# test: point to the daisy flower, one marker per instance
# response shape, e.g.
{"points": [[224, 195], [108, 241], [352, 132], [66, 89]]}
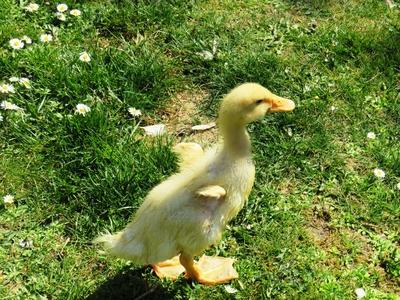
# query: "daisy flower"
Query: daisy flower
{"points": [[134, 112], [1, 118], [61, 16], [13, 79], [379, 173], [75, 12], [6, 88], [46, 38], [333, 108], [27, 39], [82, 109], [398, 186], [360, 292], [8, 199], [32, 7], [25, 82], [9, 106], [62, 7], [84, 56], [16, 44], [371, 135]]}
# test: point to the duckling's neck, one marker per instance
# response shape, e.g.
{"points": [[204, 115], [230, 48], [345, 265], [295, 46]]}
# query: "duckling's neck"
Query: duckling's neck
{"points": [[236, 140]]}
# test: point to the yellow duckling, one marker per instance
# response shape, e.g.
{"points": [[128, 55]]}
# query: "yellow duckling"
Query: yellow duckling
{"points": [[186, 214]]}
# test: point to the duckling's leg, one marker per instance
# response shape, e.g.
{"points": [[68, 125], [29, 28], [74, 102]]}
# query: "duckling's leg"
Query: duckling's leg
{"points": [[170, 268], [209, 270]]}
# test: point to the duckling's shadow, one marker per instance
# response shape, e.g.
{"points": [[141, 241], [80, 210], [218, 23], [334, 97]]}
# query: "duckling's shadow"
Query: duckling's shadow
{"points": [[129, 284]]}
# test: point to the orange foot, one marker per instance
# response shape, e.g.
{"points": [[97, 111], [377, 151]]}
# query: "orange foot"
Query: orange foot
{"points": [[212, 270], [170, 268]]}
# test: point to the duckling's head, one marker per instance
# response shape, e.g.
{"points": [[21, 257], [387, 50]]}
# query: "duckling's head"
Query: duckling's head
{"points": [[249, 102]]}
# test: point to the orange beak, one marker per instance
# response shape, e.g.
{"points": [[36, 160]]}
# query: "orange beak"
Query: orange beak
{"points": [[279, 104]]}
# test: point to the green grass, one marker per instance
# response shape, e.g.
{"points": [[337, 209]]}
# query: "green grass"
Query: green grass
{"points": [[318, 223]]}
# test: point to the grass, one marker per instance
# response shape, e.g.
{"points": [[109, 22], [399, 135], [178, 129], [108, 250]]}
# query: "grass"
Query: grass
{"points": [[318, 223]]}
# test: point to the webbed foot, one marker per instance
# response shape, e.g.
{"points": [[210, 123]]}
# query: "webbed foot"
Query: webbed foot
{"points": [[170, 268], [211, 270]]}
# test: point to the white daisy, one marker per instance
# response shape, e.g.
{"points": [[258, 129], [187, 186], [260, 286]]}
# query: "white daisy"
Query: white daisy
{"points": [[32, 7], [379, 173], [360, 292], [398, 186], [25, 82], [1, 118], [16, 44], [61, 16], [27, 39], [82, 109], [9, 106], [134, 112], [333, 108], [6, 88], [84, 56], [75, 12], [13, 79], [62, 7], [371, 135], [46, 38], [8, 199]]}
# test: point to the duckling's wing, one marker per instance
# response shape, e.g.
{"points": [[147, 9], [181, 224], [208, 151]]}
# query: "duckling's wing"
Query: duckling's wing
{"points": [[214, 192], [188, 153]]}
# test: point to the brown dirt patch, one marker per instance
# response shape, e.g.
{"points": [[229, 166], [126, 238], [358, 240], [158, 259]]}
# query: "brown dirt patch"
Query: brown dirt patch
{"points": [[337, 240], [338, 243], [286, 186], [320, 231], [182, 112]]}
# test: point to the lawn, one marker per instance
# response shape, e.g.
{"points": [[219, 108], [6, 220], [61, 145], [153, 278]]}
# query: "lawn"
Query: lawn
{"points": [[324, 216]]}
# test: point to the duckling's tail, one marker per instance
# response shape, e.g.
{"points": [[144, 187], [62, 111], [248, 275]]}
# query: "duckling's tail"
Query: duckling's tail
{"points": [[117, 245], [107, 240]]}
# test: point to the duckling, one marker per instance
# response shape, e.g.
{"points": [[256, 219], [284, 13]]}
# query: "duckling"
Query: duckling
{"points": [[187, 213]]}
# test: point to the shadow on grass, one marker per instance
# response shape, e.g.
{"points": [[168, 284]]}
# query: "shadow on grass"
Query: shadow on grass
{"points": [[129, 284]]}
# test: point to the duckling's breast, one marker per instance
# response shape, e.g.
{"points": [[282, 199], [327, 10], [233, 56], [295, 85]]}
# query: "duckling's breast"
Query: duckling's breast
{"points": [[237, 178]]}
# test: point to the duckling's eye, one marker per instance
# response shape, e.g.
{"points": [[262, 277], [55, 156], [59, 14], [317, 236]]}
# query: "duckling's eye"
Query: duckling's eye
{"points": [[259, 101]]}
